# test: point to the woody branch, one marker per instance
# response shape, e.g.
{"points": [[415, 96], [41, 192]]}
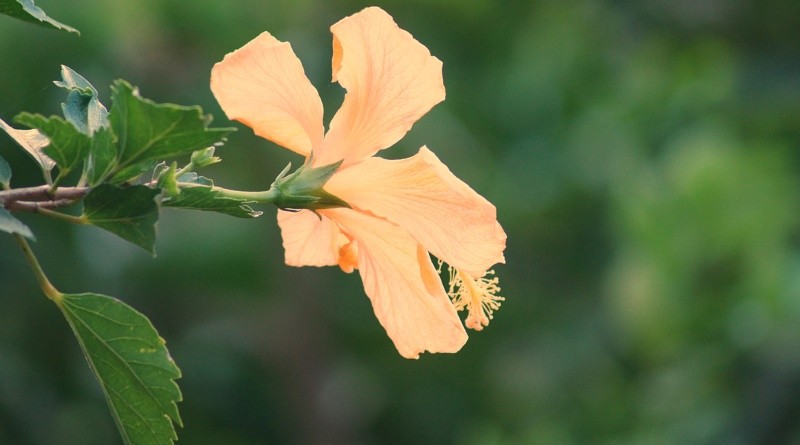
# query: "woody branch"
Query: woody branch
{"points": [[31, 199]]}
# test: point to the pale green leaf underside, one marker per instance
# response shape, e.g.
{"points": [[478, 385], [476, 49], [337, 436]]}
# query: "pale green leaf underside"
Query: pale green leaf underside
{"points": [[26, 10], [66, 145], [12, 225], [32, 141], [82, 107], [5, 173], [131, 363]]}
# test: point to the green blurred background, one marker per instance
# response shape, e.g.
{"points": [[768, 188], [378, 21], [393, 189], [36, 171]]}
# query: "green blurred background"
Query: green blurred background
{"points": [[643, 157]]}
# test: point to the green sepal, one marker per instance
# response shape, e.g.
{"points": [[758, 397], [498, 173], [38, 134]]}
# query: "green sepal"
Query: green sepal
{"points": [[130, 362], [26, 10], [129, 212], [33, 142], [147, 131], [12, 225], [82, 107], [5, 174], [302, 189], [67, 146], [197, 193]]}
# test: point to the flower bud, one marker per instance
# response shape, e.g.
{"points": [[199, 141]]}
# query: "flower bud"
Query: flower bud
{"points": [[204, 158]]}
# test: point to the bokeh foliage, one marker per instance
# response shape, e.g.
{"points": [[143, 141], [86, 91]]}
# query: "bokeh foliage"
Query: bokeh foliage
{"points": [[644, 160]]}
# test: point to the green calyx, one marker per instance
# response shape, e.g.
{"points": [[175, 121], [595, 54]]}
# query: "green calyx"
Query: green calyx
{"points": [[302, 189]]}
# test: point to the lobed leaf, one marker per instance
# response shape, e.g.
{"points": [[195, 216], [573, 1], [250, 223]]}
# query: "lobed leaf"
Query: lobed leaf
{"points": [[147, 131], [102, 156], [131, 363], [82, 107], [26, 10], [12, 225], [133, 171], [32, 141], [130, 212], [66, 147]]}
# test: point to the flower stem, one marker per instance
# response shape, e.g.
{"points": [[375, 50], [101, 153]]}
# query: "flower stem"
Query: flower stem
{"points": [[265, 197], [49, 290]]}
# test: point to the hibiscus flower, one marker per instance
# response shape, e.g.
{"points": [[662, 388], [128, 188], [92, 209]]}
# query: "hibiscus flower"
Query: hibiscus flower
{"points": [[400, 211]]}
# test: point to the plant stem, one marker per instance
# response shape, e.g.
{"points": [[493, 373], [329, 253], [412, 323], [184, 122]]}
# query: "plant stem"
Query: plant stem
{"points": [[61, 175], [265, 197], [49, 290], [42, 193], [189, 167], [58, 215]]}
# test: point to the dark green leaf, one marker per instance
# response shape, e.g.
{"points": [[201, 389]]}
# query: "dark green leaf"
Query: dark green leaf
{"points": [[5, 173], [12, 225], [131, 363], [130, 212], [32, 141], [29, 12], [102, 156], [134, 171], [82, 107], [147, 131], [199, 195], [67, 146]]}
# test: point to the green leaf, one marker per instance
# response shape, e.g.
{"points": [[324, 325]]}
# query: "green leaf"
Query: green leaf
{"points": [[133, 171], [147, 131], [12, 225], [102, 156], [5, 173], [130, 213], [67, 146], [29, 12], [32, 141], [131, 363], [84, 110], [82, 107], [197, 194]]}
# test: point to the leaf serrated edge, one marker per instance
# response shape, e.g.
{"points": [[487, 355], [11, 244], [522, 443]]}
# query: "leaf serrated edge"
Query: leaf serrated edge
{"points": [[62, 305]]}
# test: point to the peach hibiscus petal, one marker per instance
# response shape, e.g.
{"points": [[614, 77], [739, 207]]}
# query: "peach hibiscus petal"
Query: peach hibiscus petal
{"points": [[308, 239], [421, 195], [407, 296], [391, 81], [263, 86]]}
